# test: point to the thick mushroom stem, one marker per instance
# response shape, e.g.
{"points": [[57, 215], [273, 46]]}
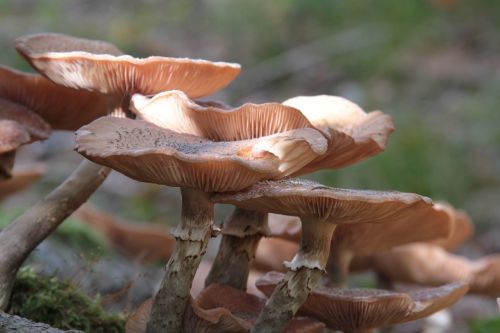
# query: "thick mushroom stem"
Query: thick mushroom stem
{"points": [[338, 267], [242, 233], [6, 164], [303, 274], [192, 236], [21, 237]]}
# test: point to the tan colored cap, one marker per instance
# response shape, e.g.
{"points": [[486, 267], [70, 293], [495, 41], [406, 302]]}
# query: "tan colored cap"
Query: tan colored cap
{"points": [[306, 198], [352, 310], [148, 153], [175, 111], [63, 108], [353, 134], [462, 228], [98, 66]]}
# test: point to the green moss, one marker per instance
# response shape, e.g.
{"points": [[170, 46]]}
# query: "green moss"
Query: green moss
{"points": [[59, 304], [491, 325]]}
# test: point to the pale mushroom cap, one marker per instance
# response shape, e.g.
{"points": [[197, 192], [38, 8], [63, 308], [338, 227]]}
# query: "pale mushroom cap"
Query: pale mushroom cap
{"points": [[285, 227], [355, 309], [305, 198], [97, 66], [370, 238], [353, 134], [12, 135], [63, 108], [148, 153], [21, 179], [175, 111]]}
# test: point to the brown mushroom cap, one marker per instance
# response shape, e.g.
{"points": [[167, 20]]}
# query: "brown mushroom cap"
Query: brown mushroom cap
{"points": [[353, 134], [462, 228], [175, 111], [12, 135], [352, 310], [306, 198], [98, 66], [272, 252], [485, 278], [32, 123], [63, 108], [220, 308], [148, 153], [21, 179]]}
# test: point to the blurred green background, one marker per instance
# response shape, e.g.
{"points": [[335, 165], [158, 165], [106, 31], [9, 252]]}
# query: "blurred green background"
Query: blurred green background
{"points": [[434, 65]]}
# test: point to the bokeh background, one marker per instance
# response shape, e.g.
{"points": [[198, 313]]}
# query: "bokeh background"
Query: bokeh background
{"points": [[434, 65]]}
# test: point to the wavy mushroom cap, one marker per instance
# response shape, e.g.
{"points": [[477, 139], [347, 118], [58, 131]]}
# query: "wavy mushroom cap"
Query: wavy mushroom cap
{"points": [[353, 134], [304, 198], [63, 108], [485, 278], [148, 153], [174, 110], [99, 66], [12, 136], [220, 308], [32, 123], [352, 310], [21, 179]]}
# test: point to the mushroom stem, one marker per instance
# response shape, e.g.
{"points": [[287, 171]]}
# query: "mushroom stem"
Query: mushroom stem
{"points": [[20, 237], [303, 274], [338, 267], [6, 164], [192, 236], [242, 233]]}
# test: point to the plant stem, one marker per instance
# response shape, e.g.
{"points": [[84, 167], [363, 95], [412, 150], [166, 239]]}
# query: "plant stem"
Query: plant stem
{"points": [[241, 235], [21, 237], [303, 274], [192, 237]]}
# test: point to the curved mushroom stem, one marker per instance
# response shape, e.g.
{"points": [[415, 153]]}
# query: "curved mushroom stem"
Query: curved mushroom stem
{"points": [[192, 236], [242, 233], [6, 164], [19, 239], [338, 267], [303, 274]]}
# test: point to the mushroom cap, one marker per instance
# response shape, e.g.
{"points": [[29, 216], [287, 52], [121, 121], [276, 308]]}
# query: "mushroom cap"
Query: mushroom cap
{"points": [[175, 111], [353, 134], [272, 252], [32, 123], [220, 308], [99, 66], [352, 310], [148, 153], [21, 179], [485, 278], [12, 135], [63, 108], [285, 227], [462, 228], [304, 198]]}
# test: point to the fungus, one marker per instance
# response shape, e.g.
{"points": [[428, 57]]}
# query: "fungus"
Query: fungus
{"points": [[148, 153], [363, 310], [320, 208], [220, 308], [21, 179]]}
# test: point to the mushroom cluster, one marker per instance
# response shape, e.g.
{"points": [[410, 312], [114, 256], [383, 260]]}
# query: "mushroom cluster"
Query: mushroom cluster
{"points": [[141, 117]]}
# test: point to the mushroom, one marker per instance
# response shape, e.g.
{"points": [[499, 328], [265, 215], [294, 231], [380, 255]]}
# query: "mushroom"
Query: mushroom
{"points": [[148, 153], [363, 310], [431, 265], [22, 178], [320, 208], [352, 135], [220, 308], [145, 241], [18, 126]]}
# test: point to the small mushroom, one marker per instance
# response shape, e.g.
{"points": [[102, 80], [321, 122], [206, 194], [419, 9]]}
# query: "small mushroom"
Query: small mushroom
{"points": [[221, 308], [149, 153], [431, 265], [362, 310], [21, 179], [320, 208]]}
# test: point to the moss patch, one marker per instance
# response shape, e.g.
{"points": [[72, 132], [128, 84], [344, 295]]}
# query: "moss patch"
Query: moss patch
{"points": [[60, 305], [491, 325]]}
